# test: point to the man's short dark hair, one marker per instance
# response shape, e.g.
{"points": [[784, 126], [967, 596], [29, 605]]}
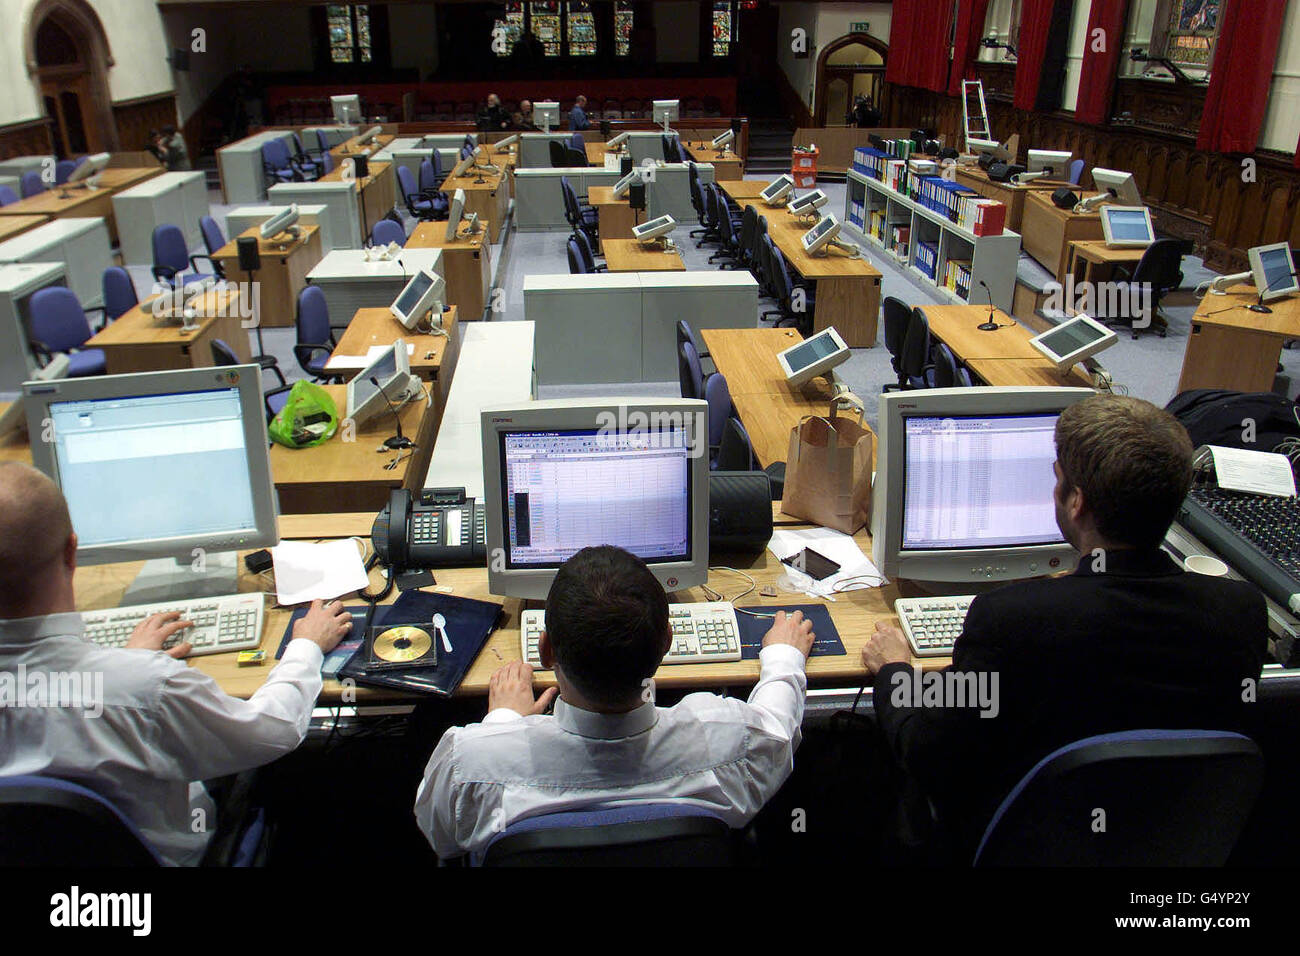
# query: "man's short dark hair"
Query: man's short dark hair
{"points": [[607, 620], [1132, 461]]}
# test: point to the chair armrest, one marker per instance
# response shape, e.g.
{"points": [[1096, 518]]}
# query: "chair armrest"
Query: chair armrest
{"points": [[42, 351], [303, 352], [164, 274], [194, 264], [103, 316], [266, 398]]}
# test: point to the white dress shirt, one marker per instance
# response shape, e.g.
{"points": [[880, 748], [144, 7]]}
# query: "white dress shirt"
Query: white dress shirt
{"points": [[156, 726], [719, 753]]}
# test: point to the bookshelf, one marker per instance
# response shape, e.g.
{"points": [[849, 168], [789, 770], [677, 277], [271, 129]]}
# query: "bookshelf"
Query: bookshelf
{"points": [[934, 250]]}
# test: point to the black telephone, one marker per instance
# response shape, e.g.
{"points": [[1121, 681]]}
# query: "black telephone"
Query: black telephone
{"points": [[442, 528]]}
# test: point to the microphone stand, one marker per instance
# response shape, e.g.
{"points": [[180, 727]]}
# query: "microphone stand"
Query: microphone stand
{"points": [[989, 325], [398, 441], [1259, 305]]}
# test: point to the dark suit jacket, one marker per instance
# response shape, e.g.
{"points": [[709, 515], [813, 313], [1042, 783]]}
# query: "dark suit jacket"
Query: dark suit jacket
{"points": [[1142, 644]]}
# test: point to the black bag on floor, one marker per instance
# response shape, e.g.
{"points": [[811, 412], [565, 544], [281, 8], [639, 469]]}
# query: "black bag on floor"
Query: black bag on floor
{"points": [[1217, 416]]}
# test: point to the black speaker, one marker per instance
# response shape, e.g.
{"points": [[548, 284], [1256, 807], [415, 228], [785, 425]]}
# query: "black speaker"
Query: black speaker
{"points": [[1002, 172], [250, 258], [362, 168], [1064, 199], [636, 195], [740, 511], [948, 153], [625, 164], [986, 160], [604, 129]]}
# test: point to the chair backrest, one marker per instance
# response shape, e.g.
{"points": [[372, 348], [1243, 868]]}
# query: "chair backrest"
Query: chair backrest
{"points": [[1171, 798], [898, 315], [916, 347], [49, 822], [718, 395], [577, 142], [666, 142], [689, 371], [646, 834], [435, 160], [575, 157], [685, 333], [406, 183], [30, 183], [119, 292], [276, 155], [1076, 172], [297, 145], [387, 231], [170, 250], [748, 229], [572, 213], [322, 141], [584, 247], [697, 198], [313, 319], [212, 237], [1161, 265], [946, 371], [576, 264], [428, 179], [57, 321], [7, 196], [559, 154], [735, 453], [223, 354], [327, 162], [62, 170]]}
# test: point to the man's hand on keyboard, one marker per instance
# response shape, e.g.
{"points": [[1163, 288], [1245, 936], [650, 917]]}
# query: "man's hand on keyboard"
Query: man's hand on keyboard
{"points": [[791, 629], [324, 624], [887, 645], [512, 686], [156, 628]]}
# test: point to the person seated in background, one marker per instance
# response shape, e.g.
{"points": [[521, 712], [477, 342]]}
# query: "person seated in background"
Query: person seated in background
{"points": [[170, 148], [1128, 641], [493, 116], [523, 118], [155, 726], [865, 113], [607, 743], [578, 115]]}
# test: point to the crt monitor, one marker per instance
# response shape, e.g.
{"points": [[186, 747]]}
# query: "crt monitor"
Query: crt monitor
{"points": [[390, 371], [171, 466], [1273, 271], [1127, 226], [562, 475], [964, 485]]}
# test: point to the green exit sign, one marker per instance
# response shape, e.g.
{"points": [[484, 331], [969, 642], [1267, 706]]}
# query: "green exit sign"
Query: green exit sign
{"points": [[861, 26]]}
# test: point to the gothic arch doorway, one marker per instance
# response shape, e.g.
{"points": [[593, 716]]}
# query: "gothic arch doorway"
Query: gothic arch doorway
{"points": [[848, 67], [68, 59]]}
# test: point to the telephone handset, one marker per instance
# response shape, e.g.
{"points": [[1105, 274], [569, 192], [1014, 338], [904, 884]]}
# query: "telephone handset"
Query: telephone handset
{"points": [[439, 528]]}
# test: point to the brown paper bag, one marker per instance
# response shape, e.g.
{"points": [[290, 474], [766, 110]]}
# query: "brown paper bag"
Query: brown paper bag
{"points": [[828, 473]]}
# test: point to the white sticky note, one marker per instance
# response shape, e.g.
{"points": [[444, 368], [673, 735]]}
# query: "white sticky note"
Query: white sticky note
{"points": [[1259, 472]]}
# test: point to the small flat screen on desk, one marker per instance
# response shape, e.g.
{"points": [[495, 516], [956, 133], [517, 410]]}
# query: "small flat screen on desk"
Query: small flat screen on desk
{"points": [[814, 350], [1277, 268], [414, 291], [819, 230], [1071, 337], [383, 368], [1128, 225]]}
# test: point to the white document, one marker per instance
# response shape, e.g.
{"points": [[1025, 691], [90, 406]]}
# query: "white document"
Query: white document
{"points": [[361, 361], [856, 569], [305, 570], [1259, 472]]}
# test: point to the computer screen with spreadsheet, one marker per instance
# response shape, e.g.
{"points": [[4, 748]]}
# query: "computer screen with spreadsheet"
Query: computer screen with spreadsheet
{"points": [[964, 484], [566, 475]]}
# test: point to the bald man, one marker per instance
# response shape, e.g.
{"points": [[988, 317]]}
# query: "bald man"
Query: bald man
{"points": [[578, 115], [133, 724]]}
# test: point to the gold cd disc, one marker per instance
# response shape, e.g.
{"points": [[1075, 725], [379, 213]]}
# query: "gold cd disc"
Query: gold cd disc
{"points": [[401, 644]]}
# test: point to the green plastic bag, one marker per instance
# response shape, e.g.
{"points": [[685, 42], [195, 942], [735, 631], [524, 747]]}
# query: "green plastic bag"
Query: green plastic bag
{"points": [[308, 418]]}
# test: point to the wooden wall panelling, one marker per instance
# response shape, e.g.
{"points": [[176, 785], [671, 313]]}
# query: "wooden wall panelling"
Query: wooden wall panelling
{"points": [[26, 139], [135, 118]]}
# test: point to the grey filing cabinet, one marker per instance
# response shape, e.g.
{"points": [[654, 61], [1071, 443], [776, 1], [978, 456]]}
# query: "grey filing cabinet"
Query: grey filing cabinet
{"points": [[242, 172], [16, 166], [539, 198], [350, 282], [725, 299], [587, 327], [179, 199], [340, 200], [241, 218], [80, 244], [535, 150], [669, 192], [18, 283]]}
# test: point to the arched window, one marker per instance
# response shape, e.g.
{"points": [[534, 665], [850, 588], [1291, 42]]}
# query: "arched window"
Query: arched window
{"points": [[348, 25]]}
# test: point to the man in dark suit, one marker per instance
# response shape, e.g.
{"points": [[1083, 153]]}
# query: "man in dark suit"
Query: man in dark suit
{"points": [[1128, 641]]}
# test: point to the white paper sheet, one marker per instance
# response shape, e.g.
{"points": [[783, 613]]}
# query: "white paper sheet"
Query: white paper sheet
{"points": [[305, 570], [856, 569], [1260, 472], [361, 361]]}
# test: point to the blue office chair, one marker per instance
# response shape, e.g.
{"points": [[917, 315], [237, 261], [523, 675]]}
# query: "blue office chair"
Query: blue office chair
{"points": [[315, 335], [62, 170], [577, 142], [915, 362], [326, 163], [588, 254], [690, 374], [417, 203], [647, 834], [429, 183], [213, 240], [45, 821], [1171, 798], [948, 372], [30, 183], [792, 310], [735, 453], [119, 293], [387, 231], [58, 324], [577, 215], [322, 141], [439, 174], [898, 316], [559, 154], [309, 164], [1076, 172], [718, 394], [7, 196], [577, 265], [466, 151], [171, 257], [280, 166], [275, 398]]}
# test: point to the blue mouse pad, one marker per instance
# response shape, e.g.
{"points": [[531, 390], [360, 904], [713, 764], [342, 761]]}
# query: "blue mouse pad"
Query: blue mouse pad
{"points": [[336, 658], [753, 628]]}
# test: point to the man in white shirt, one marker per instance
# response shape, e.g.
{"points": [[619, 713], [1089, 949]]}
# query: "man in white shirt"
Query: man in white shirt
{"points": [[607, 744], [144, 726]]}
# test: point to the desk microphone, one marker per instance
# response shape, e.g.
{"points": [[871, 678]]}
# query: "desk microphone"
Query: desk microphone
{"points": [[990, 325], [398, 441], [1259, 305]]}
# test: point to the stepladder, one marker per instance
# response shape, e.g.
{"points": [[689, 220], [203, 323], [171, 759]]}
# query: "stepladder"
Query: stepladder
{"points": [[975, 116]]}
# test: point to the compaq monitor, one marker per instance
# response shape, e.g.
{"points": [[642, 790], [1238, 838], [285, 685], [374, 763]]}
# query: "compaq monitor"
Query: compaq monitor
{"points": [[822, 234], [347, 109], [667, 112], [1051, 161], [160, 465], [1127, 226], [559, 476], [1074, 340], [1273, 270], [392, 370], [774, 193], [454, 213], [812, 357], [964, 485], [423, 296], [1115, 186], [546, 115], [654, 228]]}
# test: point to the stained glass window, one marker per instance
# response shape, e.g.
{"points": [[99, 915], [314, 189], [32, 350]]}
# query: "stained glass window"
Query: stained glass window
{"points": [[622, 29], [349, 32], [724, 20], [1193, 28], [546, 26], [581, 27], [507, 30]]}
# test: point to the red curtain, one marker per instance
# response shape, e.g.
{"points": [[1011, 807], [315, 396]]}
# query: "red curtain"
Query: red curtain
{"points": [[971, 15], [1035, 24], [1097, 75], [1240, 76], [918, 56]]}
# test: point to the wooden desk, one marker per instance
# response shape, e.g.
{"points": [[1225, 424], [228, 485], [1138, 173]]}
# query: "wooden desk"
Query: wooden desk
{"points": [[1027, 372], [1091, 260], [11, 226], [616, 217], [596, 153], [351, 475], [1046, 231], [137, 342], [1231, 347], [82, 202], [507, 159], [466, 263], [1013, 197], [283, 275], [726, 165], [741, 189], [14, 446], [350, 147], [376, 193], [956, 327], [629, 255], [489, 199], [434, 356]]}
